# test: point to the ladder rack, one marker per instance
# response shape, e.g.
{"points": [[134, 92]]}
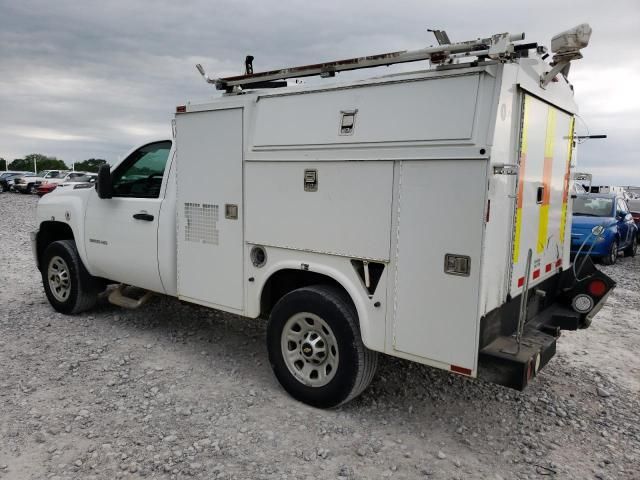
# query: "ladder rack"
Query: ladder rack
{"points": [[499, 46]]}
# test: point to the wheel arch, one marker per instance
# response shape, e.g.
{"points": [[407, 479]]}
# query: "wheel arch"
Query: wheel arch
{"points": [[284, 278], [49, 232]]}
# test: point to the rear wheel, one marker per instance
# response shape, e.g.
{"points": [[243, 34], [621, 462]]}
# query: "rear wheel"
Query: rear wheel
{"points": [[69, 287], [611, 257], [632, 249], [315, 347]]}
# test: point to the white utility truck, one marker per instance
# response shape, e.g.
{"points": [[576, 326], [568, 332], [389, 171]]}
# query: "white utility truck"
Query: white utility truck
{"points": [[425, 215]]}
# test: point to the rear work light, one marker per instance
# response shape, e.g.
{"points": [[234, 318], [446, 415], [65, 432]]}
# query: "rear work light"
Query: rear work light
{"points": [[582, 303], [597, 288]]}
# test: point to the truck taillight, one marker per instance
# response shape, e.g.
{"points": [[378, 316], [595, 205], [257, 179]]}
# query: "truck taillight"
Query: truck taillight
{"points": [[597, 288], [181, 109]]}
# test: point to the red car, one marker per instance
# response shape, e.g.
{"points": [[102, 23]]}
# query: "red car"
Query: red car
{"points": [[45, 188]]}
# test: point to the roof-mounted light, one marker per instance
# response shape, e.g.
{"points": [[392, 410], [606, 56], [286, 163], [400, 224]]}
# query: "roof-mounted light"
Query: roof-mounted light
{"points": [[566, 47], [572, 40]]}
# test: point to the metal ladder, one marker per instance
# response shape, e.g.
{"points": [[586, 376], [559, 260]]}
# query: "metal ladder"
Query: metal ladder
{"points": [[497, 47]]}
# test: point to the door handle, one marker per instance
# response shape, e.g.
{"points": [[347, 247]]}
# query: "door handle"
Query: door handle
{"points": [[143, 216]]}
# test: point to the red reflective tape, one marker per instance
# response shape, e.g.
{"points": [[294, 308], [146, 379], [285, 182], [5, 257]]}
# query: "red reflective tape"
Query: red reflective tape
{"points": [[462, 370], [536, 273], [559, 262], [520, 281], [547, 268]]}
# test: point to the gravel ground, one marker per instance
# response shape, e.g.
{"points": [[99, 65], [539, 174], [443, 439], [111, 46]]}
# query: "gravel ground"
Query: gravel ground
{"points": [[177, 391]]}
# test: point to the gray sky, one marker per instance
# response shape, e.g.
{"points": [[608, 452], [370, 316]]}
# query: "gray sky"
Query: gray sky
{"points": [[82, 79]]}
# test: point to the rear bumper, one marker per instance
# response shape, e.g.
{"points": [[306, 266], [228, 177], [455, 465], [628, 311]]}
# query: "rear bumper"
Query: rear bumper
{"points": [[502, 360]]}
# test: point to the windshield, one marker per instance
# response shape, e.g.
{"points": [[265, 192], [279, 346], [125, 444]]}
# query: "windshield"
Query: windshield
{"points": [[593, 206]]}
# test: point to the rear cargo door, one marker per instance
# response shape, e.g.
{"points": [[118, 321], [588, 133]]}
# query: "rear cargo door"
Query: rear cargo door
{"points": [[542, 220], [210, 208]]}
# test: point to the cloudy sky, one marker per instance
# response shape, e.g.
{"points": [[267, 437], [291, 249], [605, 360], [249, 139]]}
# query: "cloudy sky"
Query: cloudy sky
{"points": [[81, 79]]}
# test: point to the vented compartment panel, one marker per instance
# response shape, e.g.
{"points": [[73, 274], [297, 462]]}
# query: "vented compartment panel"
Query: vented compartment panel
{"points": [[201, 223]]}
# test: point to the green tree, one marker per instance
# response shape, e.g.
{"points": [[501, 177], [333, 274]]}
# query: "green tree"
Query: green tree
{"points": [[43, 162], [90, 165], [4, 165]]}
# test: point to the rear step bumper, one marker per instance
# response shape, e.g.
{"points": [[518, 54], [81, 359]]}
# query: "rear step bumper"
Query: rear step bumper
{"points": [[501, 361]]}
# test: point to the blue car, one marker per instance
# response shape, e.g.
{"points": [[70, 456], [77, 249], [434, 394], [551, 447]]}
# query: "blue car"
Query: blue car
{"points": [[620, 232]]}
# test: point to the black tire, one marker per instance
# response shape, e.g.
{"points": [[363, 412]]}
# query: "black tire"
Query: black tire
{"points": [[30, 188], [82, 289], [632, 249], [357, 364], [612, 256]]}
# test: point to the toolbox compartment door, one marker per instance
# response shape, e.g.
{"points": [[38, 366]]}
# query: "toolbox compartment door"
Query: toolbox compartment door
{"points": [[210, 208], [440, 211]]}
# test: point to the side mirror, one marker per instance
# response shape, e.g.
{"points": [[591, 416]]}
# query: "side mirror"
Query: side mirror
{"points": [[103, 183]]}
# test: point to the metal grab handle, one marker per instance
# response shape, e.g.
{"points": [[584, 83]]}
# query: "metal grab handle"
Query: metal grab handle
{"points": [[143, 216]]}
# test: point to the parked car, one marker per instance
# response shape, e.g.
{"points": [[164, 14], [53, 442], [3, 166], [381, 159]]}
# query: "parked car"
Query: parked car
{"points": [[46, 176], [634, 207], [25, 183], [72, 178], [611, 212], [7, 179], [45, 188]]}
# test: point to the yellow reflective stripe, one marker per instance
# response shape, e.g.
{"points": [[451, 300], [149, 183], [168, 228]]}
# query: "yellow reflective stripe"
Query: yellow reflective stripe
{"points": [[565, 191], [547, 174], [516, 243], [522, 162]]}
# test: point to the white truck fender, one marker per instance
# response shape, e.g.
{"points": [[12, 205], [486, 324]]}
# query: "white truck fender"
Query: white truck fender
{"points": [[371, 318]]}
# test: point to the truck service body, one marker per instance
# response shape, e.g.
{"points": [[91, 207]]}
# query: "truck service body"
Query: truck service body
{"points": [[432, 207]]}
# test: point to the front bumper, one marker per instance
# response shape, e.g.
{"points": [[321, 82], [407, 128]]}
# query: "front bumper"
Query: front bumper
{"points": [[34, 246], [594, 248]]}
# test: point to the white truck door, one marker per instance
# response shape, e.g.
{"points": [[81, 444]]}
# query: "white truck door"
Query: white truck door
{"points": [[210, 208], [543, 211], [121, 233]]}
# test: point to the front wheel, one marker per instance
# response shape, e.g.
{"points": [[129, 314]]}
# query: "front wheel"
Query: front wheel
{"points": [[632, 249], [315, 347], [69, 287], [611, 257]]}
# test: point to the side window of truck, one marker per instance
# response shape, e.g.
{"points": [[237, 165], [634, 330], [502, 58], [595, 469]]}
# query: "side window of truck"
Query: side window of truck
{"points": [[140, 175]]}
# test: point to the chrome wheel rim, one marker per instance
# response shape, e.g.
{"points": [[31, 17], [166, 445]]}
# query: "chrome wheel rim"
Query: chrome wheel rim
{"points": [[310, 349], [614, 252], [59, 278]]}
